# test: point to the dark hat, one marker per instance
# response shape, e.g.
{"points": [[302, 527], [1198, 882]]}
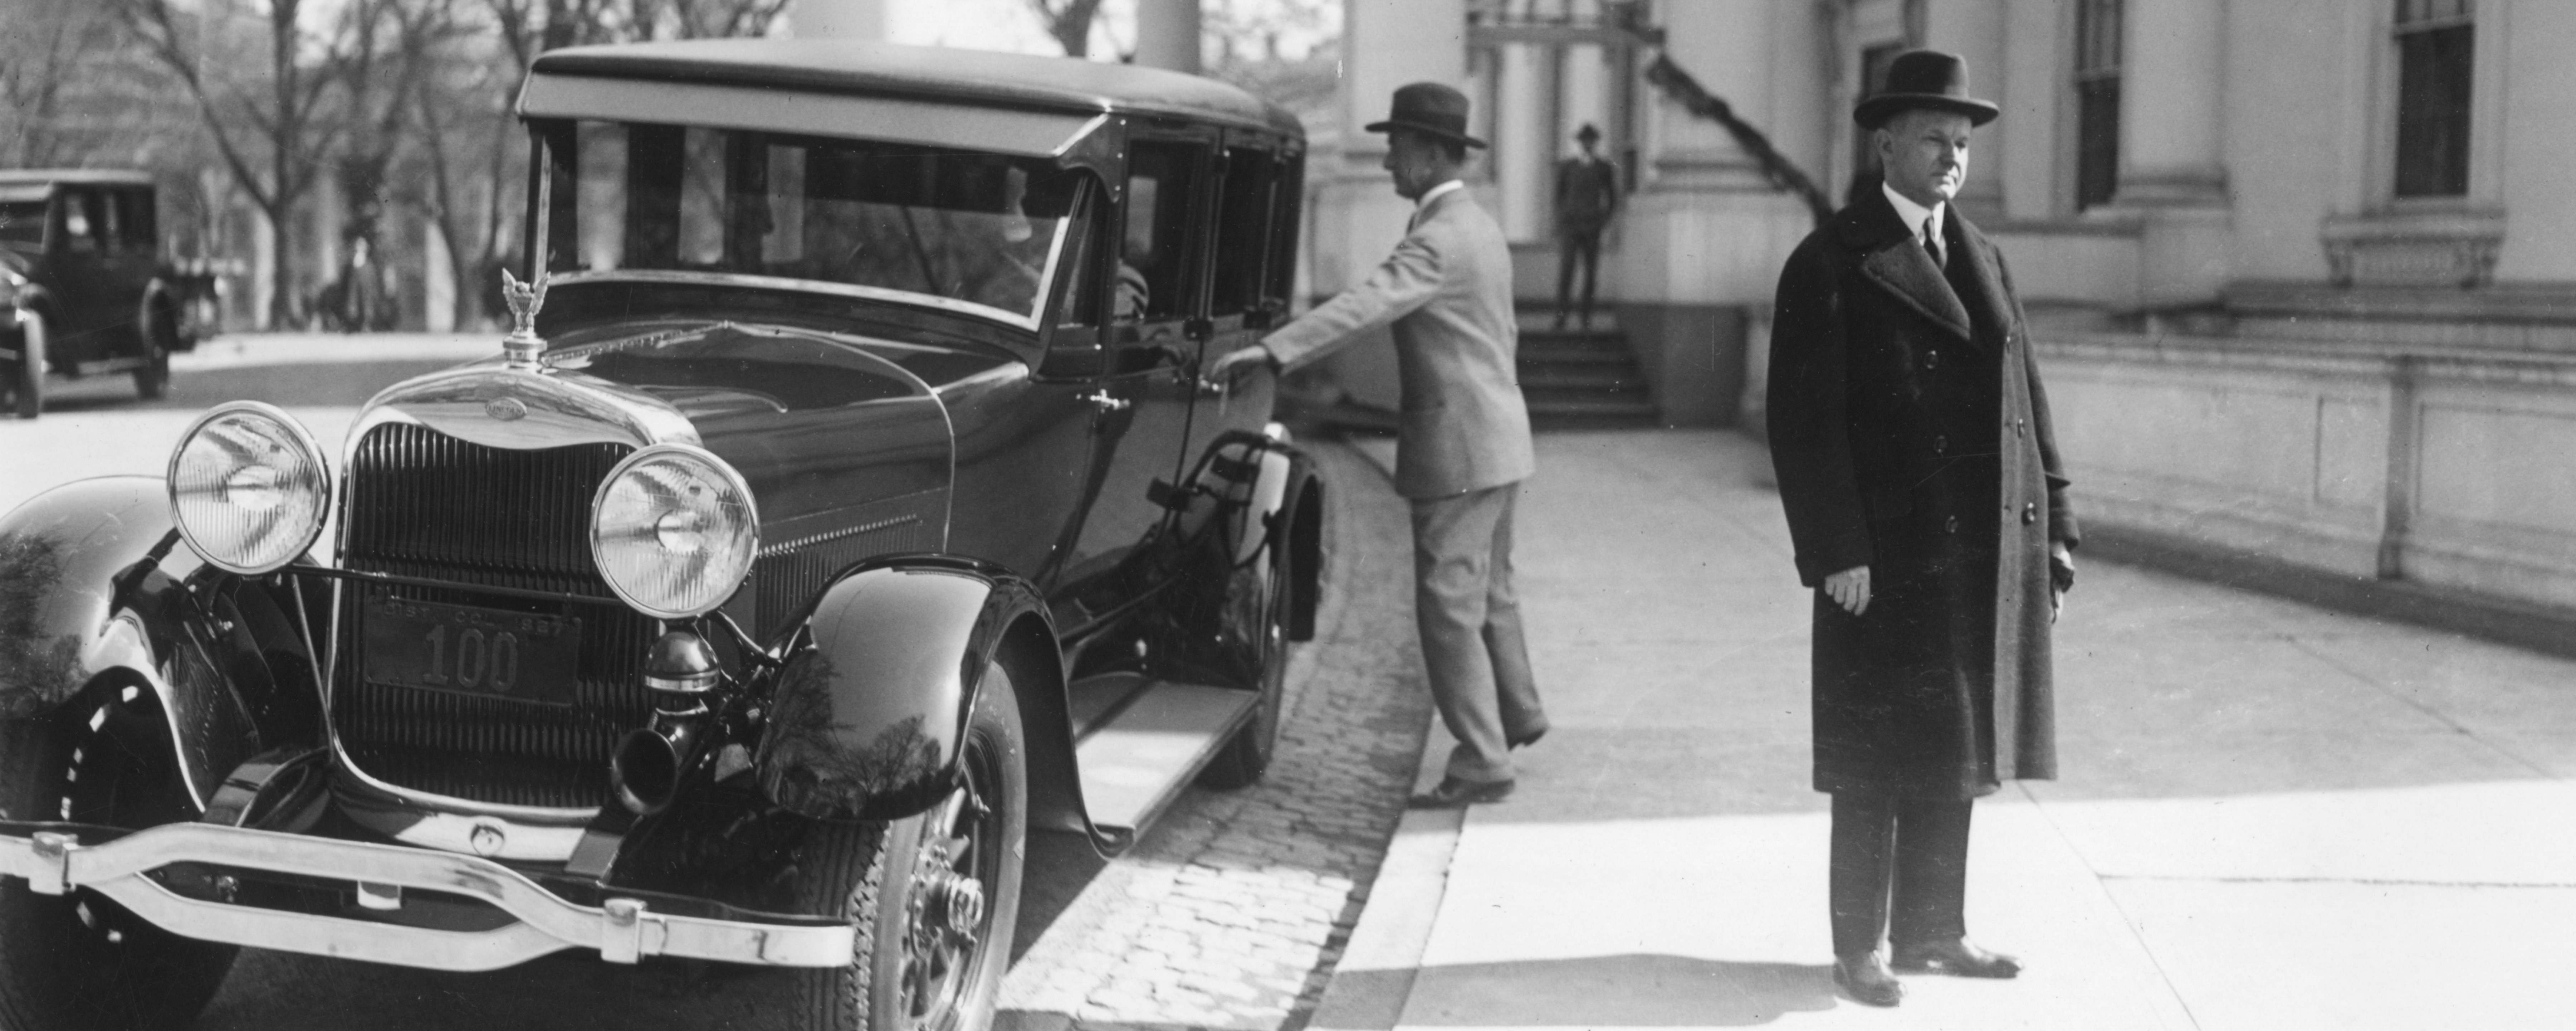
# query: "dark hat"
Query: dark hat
{"points": [[1926, 79], [1431, 108], [1588, 132]]}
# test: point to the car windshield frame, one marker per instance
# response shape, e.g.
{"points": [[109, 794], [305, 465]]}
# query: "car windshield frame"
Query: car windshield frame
{"points": [[710, 198], [36, 200]]}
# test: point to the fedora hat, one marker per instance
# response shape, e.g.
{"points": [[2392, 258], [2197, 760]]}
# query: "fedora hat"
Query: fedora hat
{"points": [[1588, 132], [1429, 107], [1926, 79]]}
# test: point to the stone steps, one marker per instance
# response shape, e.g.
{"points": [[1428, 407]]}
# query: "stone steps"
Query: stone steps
{"points": [[1580, 377]]}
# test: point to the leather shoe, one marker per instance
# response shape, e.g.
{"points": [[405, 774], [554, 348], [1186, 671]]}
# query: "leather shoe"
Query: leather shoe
{"points": [[1454, 793], [1957, 957], [1864, 976], [1516, 740]]}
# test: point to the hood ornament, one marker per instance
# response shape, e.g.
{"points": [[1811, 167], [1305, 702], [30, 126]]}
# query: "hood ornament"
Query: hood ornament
{"points": [[523, 346]]}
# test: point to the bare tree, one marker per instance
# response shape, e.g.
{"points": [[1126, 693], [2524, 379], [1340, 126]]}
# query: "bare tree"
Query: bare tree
{"points": [[1069, 21], [267, 123], [70, 93]]}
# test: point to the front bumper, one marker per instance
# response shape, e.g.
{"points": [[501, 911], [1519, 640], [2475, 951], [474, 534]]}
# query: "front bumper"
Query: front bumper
{"points": [[623, 930]]}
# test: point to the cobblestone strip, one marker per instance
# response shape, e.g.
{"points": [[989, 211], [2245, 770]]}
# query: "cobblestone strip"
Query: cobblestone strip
{"points": [[1232, 910]]}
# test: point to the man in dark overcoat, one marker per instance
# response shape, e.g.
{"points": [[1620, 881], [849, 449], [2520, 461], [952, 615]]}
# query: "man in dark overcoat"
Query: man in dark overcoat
{"points": [[1928, 510]]}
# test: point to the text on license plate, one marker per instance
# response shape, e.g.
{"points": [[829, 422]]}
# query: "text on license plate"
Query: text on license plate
{"points": [[459, 648]]}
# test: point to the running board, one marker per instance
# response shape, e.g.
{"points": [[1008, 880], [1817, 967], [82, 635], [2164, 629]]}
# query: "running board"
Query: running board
{"points": [[107, 365], [1139, 762]]}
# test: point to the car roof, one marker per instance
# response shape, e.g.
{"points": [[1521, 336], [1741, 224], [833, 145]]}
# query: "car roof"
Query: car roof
{"points": [[974, 77], [77, 176]]}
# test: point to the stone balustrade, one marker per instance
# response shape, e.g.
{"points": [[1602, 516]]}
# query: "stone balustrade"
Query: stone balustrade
{"points": [[2452, 470]]}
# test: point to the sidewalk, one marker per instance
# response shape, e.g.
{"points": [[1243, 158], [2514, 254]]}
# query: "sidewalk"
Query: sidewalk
{"points": [[2272, 817]]}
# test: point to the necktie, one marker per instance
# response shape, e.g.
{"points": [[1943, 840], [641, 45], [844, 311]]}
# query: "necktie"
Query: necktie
{"points": [[1932, 244]]}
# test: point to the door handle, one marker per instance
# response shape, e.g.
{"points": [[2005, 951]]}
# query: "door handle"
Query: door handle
{"points": [[1102, 400]]}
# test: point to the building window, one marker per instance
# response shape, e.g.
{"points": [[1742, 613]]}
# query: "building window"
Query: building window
{"points": [[2097, 101], [2433, 61]]}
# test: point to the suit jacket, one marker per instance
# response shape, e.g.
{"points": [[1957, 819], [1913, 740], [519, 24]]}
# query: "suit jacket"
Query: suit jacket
{"points": [[1447, 292], [1587, 194], [1911, 435]]}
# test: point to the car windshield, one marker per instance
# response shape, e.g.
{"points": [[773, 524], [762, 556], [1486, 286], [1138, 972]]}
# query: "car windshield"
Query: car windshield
{"points": [[22, 222], [981, 234]]}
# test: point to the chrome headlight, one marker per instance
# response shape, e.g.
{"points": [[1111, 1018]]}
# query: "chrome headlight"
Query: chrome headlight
{"points": [[248, 487], [673, 530]]}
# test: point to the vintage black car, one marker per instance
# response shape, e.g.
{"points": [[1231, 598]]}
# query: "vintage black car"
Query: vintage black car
{"points": [[849, 506], [83, 287]]}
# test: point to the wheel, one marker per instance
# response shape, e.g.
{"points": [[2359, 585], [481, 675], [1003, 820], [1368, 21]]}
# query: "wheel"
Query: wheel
{"points": [[160, 337], [80, 960], [935, 896], [1256, 624], [28, 379]]}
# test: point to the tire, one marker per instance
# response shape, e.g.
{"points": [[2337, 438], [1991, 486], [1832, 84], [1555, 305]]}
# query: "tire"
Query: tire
{"points": [[80, 960], [27, 378], [1256, 624], [910, 973], [160, 332]]}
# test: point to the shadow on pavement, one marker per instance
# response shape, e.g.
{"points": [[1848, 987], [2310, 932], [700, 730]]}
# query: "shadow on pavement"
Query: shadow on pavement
{"points": [[1634, 990]]}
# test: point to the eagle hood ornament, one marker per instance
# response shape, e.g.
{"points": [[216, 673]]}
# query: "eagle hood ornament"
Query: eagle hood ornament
{"points": [[523, 346]]}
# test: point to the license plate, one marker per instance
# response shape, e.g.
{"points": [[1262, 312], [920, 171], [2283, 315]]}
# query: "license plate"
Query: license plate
{"points": [[467, 650]]}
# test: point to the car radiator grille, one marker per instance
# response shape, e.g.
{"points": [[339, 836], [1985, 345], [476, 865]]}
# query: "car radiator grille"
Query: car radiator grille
{"points": [[424, 504]]}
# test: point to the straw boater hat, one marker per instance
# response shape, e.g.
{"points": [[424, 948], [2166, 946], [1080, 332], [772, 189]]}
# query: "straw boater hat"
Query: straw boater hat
{"points": [[1924, 79], [1429, 107]]}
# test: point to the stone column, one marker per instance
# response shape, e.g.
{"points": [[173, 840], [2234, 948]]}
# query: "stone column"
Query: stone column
{"points": [[838, 19], [1703, 240], [1167, 34], [1356, 218], [2172, 165], [1524, 143]]}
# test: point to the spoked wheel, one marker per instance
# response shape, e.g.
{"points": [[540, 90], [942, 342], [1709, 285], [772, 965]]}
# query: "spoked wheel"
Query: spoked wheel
{"points": [[80, 960], [935, 896], [27, 376], [160, 337], [1256, 625]]}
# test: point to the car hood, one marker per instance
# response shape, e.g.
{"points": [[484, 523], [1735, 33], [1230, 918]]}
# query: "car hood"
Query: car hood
{"points": [[819, 423]]}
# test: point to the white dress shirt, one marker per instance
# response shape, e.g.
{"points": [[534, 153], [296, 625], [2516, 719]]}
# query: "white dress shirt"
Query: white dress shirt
{"points": [[1914, 216]]}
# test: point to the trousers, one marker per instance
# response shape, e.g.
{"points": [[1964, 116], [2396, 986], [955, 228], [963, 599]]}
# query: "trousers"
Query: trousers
{"points": [[1470, 620], [1913, 850], [1576, 247]]}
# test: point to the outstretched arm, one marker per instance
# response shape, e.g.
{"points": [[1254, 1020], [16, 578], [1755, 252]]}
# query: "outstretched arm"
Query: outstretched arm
{"points": [[1404, 282]]}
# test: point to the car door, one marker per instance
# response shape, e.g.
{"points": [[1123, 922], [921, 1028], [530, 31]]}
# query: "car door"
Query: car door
{"points": [[1142, 398], [1246, 295], [130, 256], [81, 274]]}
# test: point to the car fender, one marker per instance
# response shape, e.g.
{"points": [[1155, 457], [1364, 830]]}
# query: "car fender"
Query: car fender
{"points": [[33, 298], [156, 292], [867, 718], [97, 591]]}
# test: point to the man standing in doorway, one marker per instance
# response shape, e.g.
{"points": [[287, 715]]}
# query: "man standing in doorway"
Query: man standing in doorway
{"points": [[1587, 197], [1928, 509], [1464, 443]]}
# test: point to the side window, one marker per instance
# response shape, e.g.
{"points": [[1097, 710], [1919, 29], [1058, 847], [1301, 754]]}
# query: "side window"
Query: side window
{"points": [[135, 224], [1287, 216], [1154, 267], [1083, 263], [1243, 227], [81, 220]]}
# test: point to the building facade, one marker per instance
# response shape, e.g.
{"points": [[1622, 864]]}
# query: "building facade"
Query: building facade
{"points": [[2303, 271]]}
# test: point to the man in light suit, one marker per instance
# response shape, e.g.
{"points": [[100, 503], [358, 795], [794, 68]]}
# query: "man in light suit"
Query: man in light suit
{"points": [[1464, 445]]}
